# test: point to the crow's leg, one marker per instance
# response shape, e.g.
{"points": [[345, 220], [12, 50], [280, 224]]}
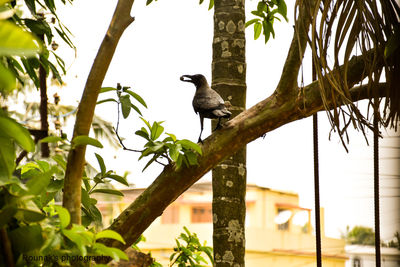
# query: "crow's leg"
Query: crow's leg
{"points": [[201, 129], [218, 124]]}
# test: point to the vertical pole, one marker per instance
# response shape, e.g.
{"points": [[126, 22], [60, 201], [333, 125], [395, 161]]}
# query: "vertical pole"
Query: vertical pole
{"points": [[376, 187], [316, 192], [316, 185]]}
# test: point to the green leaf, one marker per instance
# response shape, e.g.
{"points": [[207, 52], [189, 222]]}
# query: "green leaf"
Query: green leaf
{"points": [[119, 179], [101, 164], [191, 157], [15, 41], [85, 140], [211, 4], [6, 214], [282, 9], [26, 238], [136, 109], [29, 215], [31, 5], [7, 79], [150, 162], [146, 122], [63, 215], [257, 30], [30, 69], [110, 234], [172, 136], [60, 161], [64, 36], [39, 27], [7, 159], [125, 105], [251, 22], [143, 134], [258, 14], [187, 144], [106, 100], [43, 165], [156, 130], [51, 139], [77, 239], [107, 89], [268, 29], [174, 151], [148, 2], [262, 7], [137, 97], [114, 253], [38, 183], [108, 191], [15, 131]]}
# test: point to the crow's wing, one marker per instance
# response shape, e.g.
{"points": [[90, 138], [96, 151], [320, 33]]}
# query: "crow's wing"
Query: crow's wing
{"points": [[208, 100]]}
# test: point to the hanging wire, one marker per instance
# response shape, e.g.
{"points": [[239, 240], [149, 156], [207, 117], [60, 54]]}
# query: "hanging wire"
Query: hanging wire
{"points": [[376, 185], [316, 185]]}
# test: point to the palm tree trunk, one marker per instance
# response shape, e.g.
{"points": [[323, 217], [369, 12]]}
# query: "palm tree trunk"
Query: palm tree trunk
{"points": [[229, 177]]}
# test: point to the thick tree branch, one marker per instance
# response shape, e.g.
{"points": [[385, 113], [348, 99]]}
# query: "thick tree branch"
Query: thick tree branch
{"points": [[76, 157], [288, 81], [265, 116]]}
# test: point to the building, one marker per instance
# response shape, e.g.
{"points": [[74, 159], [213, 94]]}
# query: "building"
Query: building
{"points": [[364, 256], [278, 230]]}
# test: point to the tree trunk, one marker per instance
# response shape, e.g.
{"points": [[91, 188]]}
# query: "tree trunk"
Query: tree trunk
{"points": [[44, 123], [76, 157], [229, 177]]}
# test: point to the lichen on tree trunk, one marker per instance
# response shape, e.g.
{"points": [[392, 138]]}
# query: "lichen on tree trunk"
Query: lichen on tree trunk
{"points": [[229, 177]]}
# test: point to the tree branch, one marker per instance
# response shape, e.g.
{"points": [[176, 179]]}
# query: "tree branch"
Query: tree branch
{"points": [[288, 81], [265, 116], [76, 157]]}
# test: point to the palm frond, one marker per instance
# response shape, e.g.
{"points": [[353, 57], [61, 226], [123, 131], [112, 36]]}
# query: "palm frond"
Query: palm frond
{"points": [[341, 29]]}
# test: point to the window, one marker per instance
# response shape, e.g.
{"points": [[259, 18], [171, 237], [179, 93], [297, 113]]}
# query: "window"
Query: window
{"points": [[356, 262], [201, 214], [170, 215]]}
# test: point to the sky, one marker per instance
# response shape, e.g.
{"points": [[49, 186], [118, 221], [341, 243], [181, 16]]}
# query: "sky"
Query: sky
{"points": [[171, 38]]}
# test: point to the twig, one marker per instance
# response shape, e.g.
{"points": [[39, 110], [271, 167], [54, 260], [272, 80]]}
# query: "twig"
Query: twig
{"points": [[122, 144], [165, 165], [7, 250]]}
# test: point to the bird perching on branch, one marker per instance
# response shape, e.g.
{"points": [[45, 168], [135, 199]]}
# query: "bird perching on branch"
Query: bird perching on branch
{"points": [[206, 102]]}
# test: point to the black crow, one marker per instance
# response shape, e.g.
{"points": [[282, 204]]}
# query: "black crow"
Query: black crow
{"points": [[206, 102]]}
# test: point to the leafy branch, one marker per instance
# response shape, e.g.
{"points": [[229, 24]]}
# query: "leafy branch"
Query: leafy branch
{"points": [[191, 252], [266, 13], [170, 148]]}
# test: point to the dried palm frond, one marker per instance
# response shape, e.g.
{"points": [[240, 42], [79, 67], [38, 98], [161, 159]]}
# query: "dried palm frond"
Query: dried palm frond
{"points": [[341, 29]]}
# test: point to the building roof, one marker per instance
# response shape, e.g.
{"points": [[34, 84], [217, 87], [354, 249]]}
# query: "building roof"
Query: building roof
{"points": [[370, 250]]}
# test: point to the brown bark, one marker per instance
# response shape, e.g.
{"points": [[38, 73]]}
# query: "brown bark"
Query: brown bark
{"points": [[44, 123], [76, 157]]}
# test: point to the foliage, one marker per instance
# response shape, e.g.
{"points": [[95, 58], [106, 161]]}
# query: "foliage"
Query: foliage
{"points": [[345, 28], [170, 148], [37, 229], [42, 23], [190, 254], [360, 235], [266, 14]]}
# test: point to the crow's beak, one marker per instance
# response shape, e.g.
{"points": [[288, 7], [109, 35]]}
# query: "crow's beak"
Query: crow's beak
{"points": [[186, 78]]}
